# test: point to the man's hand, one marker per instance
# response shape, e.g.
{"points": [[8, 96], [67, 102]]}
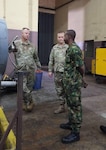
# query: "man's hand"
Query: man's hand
{"points": [[12, 48], [50, 74], [80, 70]]}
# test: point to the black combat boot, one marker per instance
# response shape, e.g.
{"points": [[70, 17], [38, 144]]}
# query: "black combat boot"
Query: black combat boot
{"points": [[72, 137], [103, 129], [66, 125]]}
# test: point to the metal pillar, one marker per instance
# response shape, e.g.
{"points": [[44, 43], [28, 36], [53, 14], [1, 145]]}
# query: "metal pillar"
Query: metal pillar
{"points": [[17, 117]]}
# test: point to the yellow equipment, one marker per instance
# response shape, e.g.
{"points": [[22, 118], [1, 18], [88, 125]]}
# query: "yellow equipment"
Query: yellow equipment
{"points": [[93, 68], [11, 139], [101, 61], [99, 64]]}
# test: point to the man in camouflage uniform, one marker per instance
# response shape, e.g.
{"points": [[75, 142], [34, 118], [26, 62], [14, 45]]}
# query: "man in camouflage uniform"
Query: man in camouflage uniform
{"points": [[72, 80], [56, 64], [26, 60]]}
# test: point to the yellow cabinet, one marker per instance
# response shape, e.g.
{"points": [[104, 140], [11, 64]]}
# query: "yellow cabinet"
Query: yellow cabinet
{"points": [[93, 66], [100, 61]]}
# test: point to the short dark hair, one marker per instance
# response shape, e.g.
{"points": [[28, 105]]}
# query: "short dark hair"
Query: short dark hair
{"points": [[71, 33], [60, 32], [25, 28]]}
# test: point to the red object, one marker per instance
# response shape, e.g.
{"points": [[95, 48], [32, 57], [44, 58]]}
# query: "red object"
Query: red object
{"points": [[39, 71]]}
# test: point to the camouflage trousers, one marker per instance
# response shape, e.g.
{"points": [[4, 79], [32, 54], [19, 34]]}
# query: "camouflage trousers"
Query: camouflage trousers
{"points": [[73, 99], [28, 82], [58, 79]]}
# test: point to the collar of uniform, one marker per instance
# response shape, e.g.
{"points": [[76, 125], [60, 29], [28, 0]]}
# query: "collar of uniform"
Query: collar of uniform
{"points": [[73, 43], [61, 46], [25, 43]]}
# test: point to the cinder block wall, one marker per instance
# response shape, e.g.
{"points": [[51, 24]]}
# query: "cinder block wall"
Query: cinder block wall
{"points": [[19, 14], [61, 21], [76, 20], [88, 18], [95, 20], [82, 15]]}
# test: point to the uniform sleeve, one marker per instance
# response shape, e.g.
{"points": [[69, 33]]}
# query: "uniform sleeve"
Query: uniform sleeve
{"points": [[77, 57], [51, 61], [36, 58]]}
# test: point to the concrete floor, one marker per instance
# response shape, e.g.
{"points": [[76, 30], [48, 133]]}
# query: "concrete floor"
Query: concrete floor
{"points": [[41, 127]]}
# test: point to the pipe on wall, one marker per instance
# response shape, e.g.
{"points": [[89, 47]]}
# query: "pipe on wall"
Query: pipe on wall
{"points": [[4, 6], [8, 83], [30, 14]]}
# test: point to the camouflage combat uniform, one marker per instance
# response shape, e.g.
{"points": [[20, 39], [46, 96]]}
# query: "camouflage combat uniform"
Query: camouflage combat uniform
{"points": [[27, 60], [72, 83], [56, 63]]}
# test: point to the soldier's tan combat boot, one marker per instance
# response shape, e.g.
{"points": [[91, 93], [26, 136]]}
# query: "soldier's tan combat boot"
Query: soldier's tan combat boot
{"points": [[24, 107], [61, 109], [30, 106]]}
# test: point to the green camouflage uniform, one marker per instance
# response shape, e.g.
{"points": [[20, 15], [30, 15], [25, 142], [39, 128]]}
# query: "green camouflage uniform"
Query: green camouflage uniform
{"points": [[72, 83], [56, 63], [27, 60]]}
